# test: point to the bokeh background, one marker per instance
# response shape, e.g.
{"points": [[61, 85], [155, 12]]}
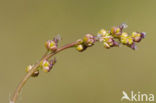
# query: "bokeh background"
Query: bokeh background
{"points": [[97, 75]]}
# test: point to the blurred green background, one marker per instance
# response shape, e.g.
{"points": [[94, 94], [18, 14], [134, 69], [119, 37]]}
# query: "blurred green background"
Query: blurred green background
{"points": [[97, 75]]}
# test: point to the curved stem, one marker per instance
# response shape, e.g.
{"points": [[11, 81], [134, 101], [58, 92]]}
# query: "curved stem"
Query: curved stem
{"points": [[28, 75]]}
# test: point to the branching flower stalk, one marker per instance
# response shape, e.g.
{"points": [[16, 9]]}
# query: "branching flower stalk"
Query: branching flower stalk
{"points": [[113, 38]]}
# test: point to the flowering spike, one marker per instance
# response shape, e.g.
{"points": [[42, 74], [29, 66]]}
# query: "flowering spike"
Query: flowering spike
{"points": [[111, 38], [108, 37]]}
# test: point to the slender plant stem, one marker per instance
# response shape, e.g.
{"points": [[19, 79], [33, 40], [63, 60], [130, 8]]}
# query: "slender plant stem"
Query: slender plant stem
{"points": [[28, 75], [106, 37]]}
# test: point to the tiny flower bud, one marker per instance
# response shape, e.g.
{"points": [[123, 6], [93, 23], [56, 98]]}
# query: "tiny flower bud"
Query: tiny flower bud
{"points": [[29, 67], [51, 45], [133, 46], [143, 34], [110, 42], [35, 74], [136, 36], [89, 40], [52, 62], [116, 31], [79, 47], [45, 65]]}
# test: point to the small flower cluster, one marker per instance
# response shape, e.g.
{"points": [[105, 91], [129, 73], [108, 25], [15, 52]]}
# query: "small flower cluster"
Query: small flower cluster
{"points": [[125, 38], [46, 65], [107, 39], [114, 38], [52, 45], [87, 41]]}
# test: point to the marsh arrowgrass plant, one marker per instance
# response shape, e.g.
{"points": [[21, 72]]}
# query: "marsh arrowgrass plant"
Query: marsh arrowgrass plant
{"points": [[110, 38]]}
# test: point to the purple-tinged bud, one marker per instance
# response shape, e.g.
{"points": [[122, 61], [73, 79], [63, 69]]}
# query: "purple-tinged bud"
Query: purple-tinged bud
{"points": [[110, 41], [133, 46], [116, 31], [89, 40], [137, 36], [143, 34], [57, 38], [52, 62], [51, 45]]}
